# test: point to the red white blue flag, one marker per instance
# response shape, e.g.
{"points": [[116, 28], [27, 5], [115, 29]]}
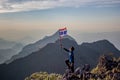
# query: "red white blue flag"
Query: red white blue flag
{"points": [[63, 32]]}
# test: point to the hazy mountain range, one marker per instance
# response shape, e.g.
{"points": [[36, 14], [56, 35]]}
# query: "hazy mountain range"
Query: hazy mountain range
{"points": [[4, 44], [8, 49], [33, 44], [51, 58], [28, 49], [113, 37]]}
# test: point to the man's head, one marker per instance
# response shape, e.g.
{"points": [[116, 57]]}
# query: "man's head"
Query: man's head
{"points": [[72, 48]]}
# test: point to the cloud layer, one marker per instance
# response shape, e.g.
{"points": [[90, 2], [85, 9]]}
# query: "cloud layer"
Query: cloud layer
{"points": [[28, 5]]}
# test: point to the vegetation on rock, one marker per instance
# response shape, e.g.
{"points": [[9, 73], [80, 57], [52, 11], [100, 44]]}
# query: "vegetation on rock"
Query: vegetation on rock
{"points": [[44, 76], [108, 68]]}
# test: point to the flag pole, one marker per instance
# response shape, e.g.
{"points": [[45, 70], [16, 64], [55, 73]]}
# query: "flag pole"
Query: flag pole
{"points": [[62, 32], [61, 42]]}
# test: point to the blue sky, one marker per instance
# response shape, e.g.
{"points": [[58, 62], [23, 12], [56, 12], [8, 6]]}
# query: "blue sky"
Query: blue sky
{"points": [[26, 17]]}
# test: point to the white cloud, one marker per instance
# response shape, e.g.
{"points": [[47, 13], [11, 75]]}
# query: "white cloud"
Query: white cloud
{"points": [[27, 5]]}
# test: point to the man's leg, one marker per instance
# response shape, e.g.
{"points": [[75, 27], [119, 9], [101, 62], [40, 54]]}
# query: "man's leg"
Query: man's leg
{"points": [[67, 63], [72, 67]]}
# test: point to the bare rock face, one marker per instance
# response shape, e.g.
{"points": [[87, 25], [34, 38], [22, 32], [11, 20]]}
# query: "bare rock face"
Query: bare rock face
{"points": [[108, 68]]}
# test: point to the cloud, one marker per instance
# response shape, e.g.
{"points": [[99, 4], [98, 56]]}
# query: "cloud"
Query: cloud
{"points": [[28, 5]]}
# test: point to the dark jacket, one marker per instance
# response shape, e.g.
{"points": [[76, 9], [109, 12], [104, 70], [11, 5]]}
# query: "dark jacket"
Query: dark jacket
{"points": [[71, 55]]}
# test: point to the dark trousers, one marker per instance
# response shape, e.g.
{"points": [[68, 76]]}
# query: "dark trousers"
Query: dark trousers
{"points": [[70, 65]]}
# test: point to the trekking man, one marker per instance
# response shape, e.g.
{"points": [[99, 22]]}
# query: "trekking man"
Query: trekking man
{"points": [[70, 62]]}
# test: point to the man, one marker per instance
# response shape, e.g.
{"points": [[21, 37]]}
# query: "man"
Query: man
{"points": [[70, 61]]}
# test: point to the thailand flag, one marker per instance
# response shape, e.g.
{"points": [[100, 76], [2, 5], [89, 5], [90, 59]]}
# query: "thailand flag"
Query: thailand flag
{"points": [[63, 32]]}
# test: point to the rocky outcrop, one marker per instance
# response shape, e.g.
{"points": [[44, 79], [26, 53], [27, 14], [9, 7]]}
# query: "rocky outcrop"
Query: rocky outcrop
{"points": [[108, 68]]}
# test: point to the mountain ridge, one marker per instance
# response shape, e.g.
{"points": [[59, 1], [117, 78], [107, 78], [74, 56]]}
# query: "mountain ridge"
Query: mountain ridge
{"points": [[48, 57], [28, 49], [8, 49], [5, 44]]}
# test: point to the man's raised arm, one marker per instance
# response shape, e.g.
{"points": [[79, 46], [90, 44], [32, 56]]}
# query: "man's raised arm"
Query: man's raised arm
{"points": [[66, 49]]}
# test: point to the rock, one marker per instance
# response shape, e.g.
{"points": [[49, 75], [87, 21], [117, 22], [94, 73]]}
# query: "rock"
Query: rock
{"points": [[107, 69]]}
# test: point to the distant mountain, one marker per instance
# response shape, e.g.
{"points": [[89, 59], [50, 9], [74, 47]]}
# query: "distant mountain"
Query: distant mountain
{"points": [[8, 49], [26, 40], [113, 37], [6, 54], [51, 58], [90, 52], [27, 50], [4, 44]]}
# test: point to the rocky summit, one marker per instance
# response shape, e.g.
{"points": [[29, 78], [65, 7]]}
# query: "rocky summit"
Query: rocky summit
{"points": [[108, 68]]}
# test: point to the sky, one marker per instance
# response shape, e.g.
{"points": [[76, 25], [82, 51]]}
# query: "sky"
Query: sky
{"points": [[21, 18]]}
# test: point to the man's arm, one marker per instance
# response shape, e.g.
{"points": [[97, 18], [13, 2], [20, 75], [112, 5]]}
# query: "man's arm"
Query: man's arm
{"points": [[66, 49]]}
